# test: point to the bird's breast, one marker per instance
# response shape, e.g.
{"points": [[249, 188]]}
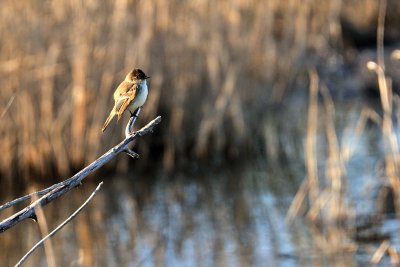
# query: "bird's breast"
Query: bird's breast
{"points": [[140, 98]]}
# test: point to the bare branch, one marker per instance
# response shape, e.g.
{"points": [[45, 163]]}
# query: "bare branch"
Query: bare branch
{"points": [[29, 196], [73, 215], [67, 185]]}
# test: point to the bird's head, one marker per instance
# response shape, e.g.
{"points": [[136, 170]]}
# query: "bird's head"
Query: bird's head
{"points": [[136, 75]]}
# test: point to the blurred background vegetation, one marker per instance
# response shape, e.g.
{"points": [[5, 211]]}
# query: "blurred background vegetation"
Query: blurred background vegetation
{"points": [[277, 84], [217, 71]]}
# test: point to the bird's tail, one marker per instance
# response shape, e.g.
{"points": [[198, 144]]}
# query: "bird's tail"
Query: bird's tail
{"points": [[110, 117]]}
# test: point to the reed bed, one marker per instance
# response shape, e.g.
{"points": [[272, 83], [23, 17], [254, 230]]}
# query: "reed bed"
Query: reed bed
{"points": [[215, 67], [324, 195]]}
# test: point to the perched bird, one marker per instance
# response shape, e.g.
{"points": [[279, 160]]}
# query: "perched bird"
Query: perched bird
{"points": [[130, 95]]}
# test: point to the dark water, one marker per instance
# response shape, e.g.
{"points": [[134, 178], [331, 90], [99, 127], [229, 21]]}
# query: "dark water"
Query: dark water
{"points": [[233, 215]]}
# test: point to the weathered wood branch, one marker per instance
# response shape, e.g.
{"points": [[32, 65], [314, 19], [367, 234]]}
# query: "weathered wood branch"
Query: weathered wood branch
{"points": [[67, 185], [30, 196], [128, 131], [58, 228]]}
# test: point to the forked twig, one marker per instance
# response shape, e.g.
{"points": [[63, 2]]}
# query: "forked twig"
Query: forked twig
{"points": [[31, 195], [67, 185], [58, 227]]}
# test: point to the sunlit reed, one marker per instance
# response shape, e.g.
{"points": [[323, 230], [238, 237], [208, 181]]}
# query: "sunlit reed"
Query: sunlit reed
{"points": [[214, 68]]}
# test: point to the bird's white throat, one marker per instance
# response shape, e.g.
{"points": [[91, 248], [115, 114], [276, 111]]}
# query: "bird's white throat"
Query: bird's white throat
{"points": [[141, 97]]}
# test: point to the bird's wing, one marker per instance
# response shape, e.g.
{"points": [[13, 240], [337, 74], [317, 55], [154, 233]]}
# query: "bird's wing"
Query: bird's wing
{"points": [[122, 89], [125, 99]]}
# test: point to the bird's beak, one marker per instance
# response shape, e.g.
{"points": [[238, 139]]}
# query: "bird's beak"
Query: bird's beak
{"points": [[147, 77]]}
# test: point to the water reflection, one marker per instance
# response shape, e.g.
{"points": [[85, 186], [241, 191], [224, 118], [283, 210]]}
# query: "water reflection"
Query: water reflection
{"points": [[228, 216]]}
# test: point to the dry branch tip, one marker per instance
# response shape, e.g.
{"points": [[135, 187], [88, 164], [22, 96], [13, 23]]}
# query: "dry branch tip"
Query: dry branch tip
{"points": [[132, 153]]}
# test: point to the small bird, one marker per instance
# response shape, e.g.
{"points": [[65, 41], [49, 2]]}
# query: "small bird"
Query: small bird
{"points": [[130, 94]]}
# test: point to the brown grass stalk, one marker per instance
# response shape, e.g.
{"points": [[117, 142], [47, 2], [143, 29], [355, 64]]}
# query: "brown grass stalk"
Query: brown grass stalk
{"points": [[386, 95], [331, 217], [311, 139]]}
